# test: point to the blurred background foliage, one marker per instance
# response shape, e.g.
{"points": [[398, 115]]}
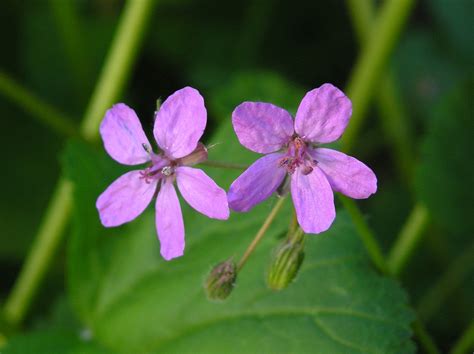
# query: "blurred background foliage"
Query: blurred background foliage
{"points": [[234, 51]]}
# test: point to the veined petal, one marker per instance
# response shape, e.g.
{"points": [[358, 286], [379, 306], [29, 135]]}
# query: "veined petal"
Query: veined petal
{"points": [[180, 122], [125, 199], [323, 114], [262, 127], [169, 222], [345, 173], [123, 136], [202, 193], [257, 183], [313, 200]]}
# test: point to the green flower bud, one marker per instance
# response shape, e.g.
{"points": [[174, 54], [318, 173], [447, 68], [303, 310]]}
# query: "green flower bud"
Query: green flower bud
{"points": [[221, 280], [286, 262]]}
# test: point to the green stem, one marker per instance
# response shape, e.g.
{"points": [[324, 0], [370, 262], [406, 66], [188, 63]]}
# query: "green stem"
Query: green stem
{"points": [[451, 279], [408, 239], [266, 224], [396, 128], [118, 64], [43, 112], [41, 253], [465, 343], [366, 73], [424, 338], [367, 236], [116, 71]]}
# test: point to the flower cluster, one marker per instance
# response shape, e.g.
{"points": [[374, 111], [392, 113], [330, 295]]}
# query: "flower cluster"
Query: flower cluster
{"points": [[293, 158]]}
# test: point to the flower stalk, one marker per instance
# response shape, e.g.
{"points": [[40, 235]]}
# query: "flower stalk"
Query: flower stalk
{"points": [[261, 232]]}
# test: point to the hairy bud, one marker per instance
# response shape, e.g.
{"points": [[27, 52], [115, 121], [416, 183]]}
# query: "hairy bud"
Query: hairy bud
{"points": [[286, 262], [221, 280]]}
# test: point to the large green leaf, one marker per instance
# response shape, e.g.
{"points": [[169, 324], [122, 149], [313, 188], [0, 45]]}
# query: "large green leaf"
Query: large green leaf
{"points": [[133, 301]]}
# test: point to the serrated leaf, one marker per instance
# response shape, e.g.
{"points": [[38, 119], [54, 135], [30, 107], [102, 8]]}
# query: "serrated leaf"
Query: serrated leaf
{"points": [[134, 301]]}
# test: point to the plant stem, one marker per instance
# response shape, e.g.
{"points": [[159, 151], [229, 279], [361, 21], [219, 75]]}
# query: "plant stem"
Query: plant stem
{"points": [[424, 338], [118, 64], [369, 66], [465, 343], [408, 239], [451, 279], [41, 253], [41, 111], [266, 224], [367, 236], [117, 69], [395, 127], [226, 165]]}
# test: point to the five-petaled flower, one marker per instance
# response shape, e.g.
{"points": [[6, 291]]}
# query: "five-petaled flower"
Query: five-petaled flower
{"points": [[293, 152], [179, 124]]}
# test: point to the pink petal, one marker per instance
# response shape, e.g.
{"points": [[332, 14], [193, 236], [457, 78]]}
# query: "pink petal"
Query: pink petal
{"points": [[257, 183], [313, 200], [202, 193], [345, 173], [323, 114], [125, 199], [262, 127], [169, 222], [180, 122], [123, 136]]}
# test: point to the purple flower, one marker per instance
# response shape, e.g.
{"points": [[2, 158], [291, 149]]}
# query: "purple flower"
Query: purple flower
{"points": [[293, 150], [179, 124]]}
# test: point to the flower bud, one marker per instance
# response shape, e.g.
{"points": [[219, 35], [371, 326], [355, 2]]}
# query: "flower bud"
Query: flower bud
{"points": [[286, 262], [221, 280]]}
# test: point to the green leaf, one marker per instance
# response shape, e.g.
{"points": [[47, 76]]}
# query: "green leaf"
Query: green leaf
{"points": [[51, 342], [133, 301], [446, 173]]}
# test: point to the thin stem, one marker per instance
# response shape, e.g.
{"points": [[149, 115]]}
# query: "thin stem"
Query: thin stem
{"points": [[266, 224], [450, 280], [396, 127], [367, 236], [394, 121], [41, 253], [465, 343], [226, 165], [369, 66], [408, 238], [118, 64], [117, 69], [424, 338], [41, 111]]}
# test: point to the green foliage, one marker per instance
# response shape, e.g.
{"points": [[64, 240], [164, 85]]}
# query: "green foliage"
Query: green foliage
{"points": [[52, 342], [446, 173], [133, 301]]}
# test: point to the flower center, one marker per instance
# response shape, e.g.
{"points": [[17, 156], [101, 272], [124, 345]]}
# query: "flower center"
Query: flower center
{"points": [[160, 168], [297, 156]]}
